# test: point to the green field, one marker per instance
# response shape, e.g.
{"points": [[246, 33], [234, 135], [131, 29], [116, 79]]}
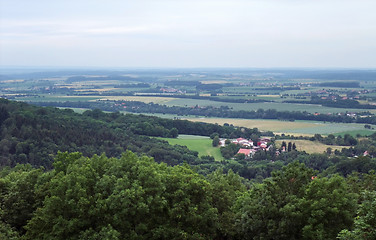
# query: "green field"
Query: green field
{"points": [[201, 144], [304, 128]]}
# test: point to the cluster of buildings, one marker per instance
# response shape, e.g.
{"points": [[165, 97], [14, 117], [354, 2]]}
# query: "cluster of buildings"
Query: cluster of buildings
{"points": [[249, 147], [171, 90]]}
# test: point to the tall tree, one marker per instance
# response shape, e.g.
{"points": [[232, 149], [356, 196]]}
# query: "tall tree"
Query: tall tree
{"points": [[365, 221], [289, 147], [215, 141], [225, 189], [293, 204]]}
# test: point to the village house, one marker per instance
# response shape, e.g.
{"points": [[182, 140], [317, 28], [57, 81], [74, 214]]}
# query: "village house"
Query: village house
{"points": [[248, 148], [243, 142]]}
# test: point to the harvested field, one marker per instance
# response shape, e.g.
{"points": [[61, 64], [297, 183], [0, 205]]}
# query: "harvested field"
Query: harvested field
{"points": [[310, 146]]}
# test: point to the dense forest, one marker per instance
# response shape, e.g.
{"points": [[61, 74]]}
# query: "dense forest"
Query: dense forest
{"points": [[33, 135], [117, 182], [134, 197]]}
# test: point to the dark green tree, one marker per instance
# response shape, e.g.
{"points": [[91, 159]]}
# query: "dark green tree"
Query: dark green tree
{"points": [[289, 147], [126, 198], [174, 133], [18, 199], [284, 146], [215, 141], [293, 204], [365, 221], [225, 189]]}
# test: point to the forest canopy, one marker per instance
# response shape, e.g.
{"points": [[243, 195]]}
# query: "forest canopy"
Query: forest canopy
{"points": [[134, 197]]}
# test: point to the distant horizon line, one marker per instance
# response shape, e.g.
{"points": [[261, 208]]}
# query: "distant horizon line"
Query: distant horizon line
{"points": [[25, 67]]}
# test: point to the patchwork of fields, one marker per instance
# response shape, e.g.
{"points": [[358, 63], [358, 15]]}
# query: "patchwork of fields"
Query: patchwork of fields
{"points": [[145, 86], [186, 102]]}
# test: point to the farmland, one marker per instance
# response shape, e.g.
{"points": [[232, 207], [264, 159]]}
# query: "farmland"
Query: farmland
{"points": [[311, 147], [236, 90], [298, 128]]}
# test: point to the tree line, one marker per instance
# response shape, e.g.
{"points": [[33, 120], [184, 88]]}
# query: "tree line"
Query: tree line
{"points": [[210, 111], [338, 103], [30, 134]]}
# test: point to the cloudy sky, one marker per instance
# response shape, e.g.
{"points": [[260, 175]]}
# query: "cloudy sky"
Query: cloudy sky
{"points": [[188, 33]]}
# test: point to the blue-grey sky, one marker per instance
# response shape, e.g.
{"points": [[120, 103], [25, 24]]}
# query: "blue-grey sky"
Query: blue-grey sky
{"points": [[188, 33]]}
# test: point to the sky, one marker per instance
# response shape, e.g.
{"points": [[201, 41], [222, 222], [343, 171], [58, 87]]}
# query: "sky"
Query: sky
{"points": [[188, 33]]}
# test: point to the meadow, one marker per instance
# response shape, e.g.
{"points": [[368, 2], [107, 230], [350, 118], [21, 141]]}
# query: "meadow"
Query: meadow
{"points": [[201, 144]]}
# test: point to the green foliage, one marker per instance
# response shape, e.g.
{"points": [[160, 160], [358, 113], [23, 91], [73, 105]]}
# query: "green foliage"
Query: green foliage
{"points": [[361, 164], [215, 142], [174, 133], [230, 150], [292, 205], [226, 188], [329, 208], [6, 232], [34, 135], [18, 199], [126, 198], [365, 221], [136, 198]]}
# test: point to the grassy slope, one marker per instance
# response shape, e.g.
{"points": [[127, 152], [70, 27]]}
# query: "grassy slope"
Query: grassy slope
{"points": [[203, 145]]}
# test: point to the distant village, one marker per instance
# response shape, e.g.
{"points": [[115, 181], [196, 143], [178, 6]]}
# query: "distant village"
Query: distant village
{"points": [[248, 147]]}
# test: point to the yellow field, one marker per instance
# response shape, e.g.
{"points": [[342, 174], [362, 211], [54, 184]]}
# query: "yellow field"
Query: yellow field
{"points": [[309, 146], [95, 90], [272, 96], [214, 81], [295, 134], [264, 125], [12, 81], [159, 100]]}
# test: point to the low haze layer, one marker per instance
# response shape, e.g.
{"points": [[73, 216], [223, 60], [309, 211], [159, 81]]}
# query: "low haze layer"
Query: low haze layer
{"points": [[251, 33]]}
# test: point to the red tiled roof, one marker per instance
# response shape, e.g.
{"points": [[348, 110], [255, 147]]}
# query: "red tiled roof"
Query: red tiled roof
{"points": [[246, 152]]}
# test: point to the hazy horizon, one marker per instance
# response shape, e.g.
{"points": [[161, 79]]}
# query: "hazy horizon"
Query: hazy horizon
{"points": [[188, 34]]}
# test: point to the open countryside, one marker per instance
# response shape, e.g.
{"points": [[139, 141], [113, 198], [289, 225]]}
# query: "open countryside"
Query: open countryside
{"points": [[201, 144], [298, 128], [187, 120]]}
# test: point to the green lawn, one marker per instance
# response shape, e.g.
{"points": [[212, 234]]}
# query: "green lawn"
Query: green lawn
{"points": [[203, 145]]}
